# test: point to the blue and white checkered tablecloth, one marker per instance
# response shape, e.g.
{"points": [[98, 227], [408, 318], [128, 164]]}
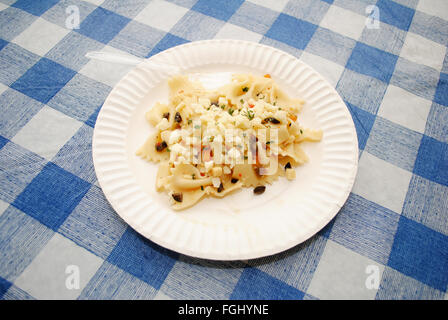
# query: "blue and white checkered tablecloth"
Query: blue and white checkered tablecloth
{"points": [[387, 59]]}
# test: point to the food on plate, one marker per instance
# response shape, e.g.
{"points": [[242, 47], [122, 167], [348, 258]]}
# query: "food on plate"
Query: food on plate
{"points": [[213, 142]]}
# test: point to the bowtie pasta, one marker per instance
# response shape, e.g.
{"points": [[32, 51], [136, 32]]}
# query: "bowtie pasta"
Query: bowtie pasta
{"points": [[213, 142]]}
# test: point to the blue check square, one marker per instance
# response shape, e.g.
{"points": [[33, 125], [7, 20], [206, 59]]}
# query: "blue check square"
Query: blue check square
{"points": [[3, 141], [430, 27], [52, 195], [372, 62], [76, 155], [397, 286], [142, 258], [254, 17], [366, 228], [441, 96], [21, 240], [3, 43], [18, 167], [137, 39], [102, 25], [4, 286], [294, 32], [421, 253], [437, 123], [35, 7], [395, 14], [14, 62], [13, 21], [257, 285], [219, 9], [393, 143], [432, 160], [426, 203], [361, 91], [100, 232], [363, 122], [417, 78], [43, 80], [168, 41], [17, 110], [80, 97]]}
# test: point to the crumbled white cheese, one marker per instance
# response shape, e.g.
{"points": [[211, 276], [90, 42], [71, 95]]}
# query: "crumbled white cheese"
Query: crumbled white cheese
{"points": [[208, 165], [216, 182], [163, 125]]}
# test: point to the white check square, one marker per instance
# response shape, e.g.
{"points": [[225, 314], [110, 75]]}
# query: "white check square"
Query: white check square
{"points": [[345, 22], [161, 296], [231, 31], [423, 51], [95, 2], [345, 274], [438, 8], [47, 132], [60, 271], [406, 109], [3, 88], [106, 72], [151, 15], [381, 182], [40, 37], [3, 206], [276, 5], [330, 70]]}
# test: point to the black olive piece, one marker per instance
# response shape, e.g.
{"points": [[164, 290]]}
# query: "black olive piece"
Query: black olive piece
{"points": [[161, 146], [215, 104], [177, 117], [221, 187], [166, 115], [178, 196], [271, 120], [259, 189], [288, 166], [234, 180]]}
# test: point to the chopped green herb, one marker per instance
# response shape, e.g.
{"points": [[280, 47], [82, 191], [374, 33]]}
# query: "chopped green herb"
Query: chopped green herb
{"points": [[168, 149], [275, 103], [242, 101], [231, 111], [245, 157], [301, 131], [193, 176], [211, 138], [250, 114], [190, 121], [197, 126], [223, 106], [245, 89]]}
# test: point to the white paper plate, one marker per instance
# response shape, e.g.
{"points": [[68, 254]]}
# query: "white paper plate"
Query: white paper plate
{"points": [[242, 225]]}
